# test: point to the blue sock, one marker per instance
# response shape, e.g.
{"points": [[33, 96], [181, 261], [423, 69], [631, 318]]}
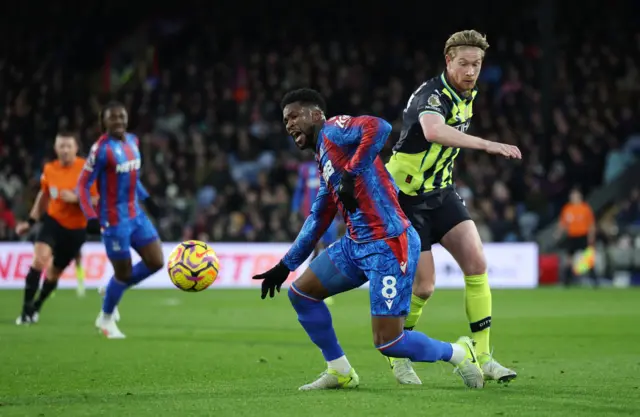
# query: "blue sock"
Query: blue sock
{"points": [[114, 292], [316, 320], [139, 273], [418, 347]]}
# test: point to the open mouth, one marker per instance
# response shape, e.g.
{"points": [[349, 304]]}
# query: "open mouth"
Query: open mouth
{"points": [[297, 137]]}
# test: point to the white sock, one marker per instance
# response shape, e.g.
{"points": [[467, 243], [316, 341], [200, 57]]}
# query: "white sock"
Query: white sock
{"points": [[341, 365], [458, 355]]}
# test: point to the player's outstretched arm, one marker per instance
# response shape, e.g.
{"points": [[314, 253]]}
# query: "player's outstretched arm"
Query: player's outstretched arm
{"points": [[323, 211], [322, 214], [436, 130]]}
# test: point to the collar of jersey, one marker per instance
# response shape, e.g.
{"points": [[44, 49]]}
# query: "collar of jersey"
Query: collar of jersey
{"points": [[453, 91]]}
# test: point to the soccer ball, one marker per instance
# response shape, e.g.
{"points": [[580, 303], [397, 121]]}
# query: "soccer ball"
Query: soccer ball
{"points": [[193, 266]]}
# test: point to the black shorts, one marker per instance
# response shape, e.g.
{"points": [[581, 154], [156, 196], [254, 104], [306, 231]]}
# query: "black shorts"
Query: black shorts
{"points": [[433, 214], [65, 243], [576, 244]]}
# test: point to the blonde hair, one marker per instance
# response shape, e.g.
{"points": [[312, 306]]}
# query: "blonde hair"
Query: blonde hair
{"points": [[465, 38]]}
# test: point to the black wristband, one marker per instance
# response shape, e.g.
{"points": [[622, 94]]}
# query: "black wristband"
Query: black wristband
{"points": [[32, 221]]}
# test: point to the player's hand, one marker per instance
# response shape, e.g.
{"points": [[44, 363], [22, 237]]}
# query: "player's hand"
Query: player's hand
{"points": [[22, 228], [346, 192], [508, 151], [93, 226], [68, 196], [273, 279]]}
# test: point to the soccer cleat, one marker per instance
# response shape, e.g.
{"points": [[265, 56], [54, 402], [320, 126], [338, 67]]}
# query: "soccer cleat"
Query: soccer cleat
{"points": [[331, 379], [469, 369], [23, 319], [116, 313], [28, 316], [107, 325], [403, 371], [493, 371]]}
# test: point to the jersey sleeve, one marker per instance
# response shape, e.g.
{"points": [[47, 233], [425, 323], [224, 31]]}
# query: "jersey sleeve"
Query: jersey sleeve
{"points": [[370, 134], [141, 191], [322, 214], [432, 101], [44, 179], [94, 164]]}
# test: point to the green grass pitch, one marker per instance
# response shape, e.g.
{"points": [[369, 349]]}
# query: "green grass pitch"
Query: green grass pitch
{"points": [[228, 353]]}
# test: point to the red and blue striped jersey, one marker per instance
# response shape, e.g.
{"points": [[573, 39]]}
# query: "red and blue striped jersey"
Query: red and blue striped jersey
{"points": [[351, 144], [115, 164], [307, 188]]}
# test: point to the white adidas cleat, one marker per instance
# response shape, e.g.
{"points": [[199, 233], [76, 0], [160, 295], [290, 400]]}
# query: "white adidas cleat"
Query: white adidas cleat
{"points": [[493, 371], [404, 372], [332, 379], [108, 327], [116, 313]]}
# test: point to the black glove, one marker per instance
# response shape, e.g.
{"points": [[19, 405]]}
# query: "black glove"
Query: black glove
{"points": [[273, 279], [152, 207], [93, 226], [346, 192]]}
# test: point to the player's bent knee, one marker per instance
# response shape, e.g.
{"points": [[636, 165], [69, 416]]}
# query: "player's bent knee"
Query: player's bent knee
{"points": [[122, 269], [474, 265], [425, 281], [152, 256], [40, 263], [296, 297], [310, 286], [53, 273], [424, 293], [386, 329]]}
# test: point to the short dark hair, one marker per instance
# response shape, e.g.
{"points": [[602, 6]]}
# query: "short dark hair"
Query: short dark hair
{"points": [[110, 105], [68, 134], [304, 96]]}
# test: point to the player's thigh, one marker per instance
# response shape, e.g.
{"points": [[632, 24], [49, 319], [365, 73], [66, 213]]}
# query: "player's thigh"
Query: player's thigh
{"points": [[450, 212], [390, 268], [117, 244], [146, 241], [330, 273], [44, 242], [464, 244], [152, 255], [42, 253], [68, 243], [424, 283], [419, 214]]}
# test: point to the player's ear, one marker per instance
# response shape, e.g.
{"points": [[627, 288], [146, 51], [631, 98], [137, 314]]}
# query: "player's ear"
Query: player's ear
{"points": [[317, 115]]}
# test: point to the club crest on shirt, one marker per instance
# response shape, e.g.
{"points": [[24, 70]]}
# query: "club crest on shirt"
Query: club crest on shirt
{"points": [[433, 100]]}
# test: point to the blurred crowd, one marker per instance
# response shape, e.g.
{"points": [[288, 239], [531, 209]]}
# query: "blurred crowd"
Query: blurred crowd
{"points": [[205, 106]]}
